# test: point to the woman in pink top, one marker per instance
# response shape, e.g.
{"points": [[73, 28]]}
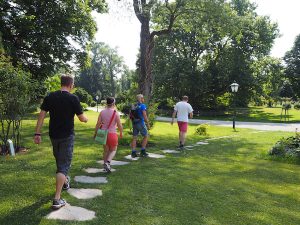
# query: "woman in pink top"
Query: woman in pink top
{"points": [[105, 116]]}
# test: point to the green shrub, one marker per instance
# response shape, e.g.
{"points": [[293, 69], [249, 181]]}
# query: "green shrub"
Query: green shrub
{"points": [[297, 105], [18, 96], [151, 112], [83, 96], [287, 147], [202, 130], [93, 104], [84, 106]]}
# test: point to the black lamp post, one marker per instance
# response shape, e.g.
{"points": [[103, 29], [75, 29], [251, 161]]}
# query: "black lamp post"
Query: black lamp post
{"points": [[234, 88], [97, 98]]}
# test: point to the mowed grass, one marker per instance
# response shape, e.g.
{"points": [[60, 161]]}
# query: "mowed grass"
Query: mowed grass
{"points": [[260, 114], [231, 181]]}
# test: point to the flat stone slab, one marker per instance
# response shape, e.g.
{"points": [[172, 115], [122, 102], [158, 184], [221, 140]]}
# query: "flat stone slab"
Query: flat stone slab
{"points": [[115, 163], [170, 151], [130, 158], [83, 193], [155, 156], [189, 146], [201, 143], [90, 180], [72, 213], [97, 170]]}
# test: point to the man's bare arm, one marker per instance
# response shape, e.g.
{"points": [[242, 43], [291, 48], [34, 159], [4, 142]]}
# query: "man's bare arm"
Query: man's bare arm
{"points": [[82, 118], [173, 117], [146, 119], [39, 124]]}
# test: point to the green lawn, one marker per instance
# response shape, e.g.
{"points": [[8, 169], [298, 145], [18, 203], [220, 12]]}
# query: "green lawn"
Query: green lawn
{"points": [[231, 181], [260, 114]]}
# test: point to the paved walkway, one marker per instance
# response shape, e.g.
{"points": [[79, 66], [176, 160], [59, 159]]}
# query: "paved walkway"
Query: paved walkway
{"points": [[238, 124], [289, 127]]}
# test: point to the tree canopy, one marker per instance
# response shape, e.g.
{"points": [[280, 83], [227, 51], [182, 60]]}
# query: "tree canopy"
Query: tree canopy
{"points": [[214, 44], [46, 35], [292, 60], [99, 78]]}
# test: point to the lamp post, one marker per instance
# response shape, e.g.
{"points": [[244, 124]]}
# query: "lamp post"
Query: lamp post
{"points": [[234, 88], [97, 97]]}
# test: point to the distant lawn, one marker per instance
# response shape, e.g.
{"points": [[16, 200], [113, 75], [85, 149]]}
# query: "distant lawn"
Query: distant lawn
{"points": [[231, 181], [259, 114]]}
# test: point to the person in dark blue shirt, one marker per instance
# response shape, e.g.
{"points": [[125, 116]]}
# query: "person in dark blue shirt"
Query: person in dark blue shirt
{"points": [[140, 124]]}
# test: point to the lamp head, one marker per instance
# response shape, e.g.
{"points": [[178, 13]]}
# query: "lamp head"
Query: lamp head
{"points": [[234, 86]]}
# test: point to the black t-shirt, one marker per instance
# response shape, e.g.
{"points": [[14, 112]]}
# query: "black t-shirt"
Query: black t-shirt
{"points": [[62, 107]]}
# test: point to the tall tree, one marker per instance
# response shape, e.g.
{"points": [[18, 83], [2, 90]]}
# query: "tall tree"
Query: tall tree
{"points": [[143, 10], [209, 49], [41, 34], [292, 60], [100, 77]]}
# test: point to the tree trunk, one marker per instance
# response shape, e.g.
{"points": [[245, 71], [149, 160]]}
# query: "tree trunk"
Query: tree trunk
{"points": [[146, 47], [112, 83]]}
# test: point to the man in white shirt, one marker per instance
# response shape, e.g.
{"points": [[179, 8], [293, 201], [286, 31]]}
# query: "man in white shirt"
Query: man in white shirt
{"points": [[183, 110]]}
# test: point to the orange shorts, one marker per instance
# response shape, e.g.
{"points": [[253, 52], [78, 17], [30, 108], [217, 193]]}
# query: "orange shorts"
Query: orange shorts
{"points": [[112, 140]]}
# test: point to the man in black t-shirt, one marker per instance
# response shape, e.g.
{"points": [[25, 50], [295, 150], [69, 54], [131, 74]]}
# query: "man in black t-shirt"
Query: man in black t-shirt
{"points": [[62, 107]]}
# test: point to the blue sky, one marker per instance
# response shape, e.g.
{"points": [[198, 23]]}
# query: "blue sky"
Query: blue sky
{"points": [[122, 31]]}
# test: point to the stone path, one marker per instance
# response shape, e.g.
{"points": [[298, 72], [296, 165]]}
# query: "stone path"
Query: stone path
{"points": [[75, 213], [84, 193], [114, 163], [170, 151], [91, 180], [97, 170], [69, 212], [290, 127]]}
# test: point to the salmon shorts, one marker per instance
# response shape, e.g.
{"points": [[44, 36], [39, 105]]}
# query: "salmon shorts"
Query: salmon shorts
{"points": [[112, 140], [182, 126]]}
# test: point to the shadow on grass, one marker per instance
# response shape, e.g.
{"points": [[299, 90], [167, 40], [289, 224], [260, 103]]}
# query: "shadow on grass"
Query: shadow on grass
{"points": [[220, 183], [31, 214]]}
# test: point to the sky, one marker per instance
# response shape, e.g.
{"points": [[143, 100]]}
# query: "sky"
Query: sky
{"points": [[121, 30]]}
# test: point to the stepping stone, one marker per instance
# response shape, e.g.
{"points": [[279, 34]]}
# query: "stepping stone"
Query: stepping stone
{"points": [[90, 180], [130, 158], [202, 143], [97, 170], [170, 151], [115, 163], [189, 146], [84, 193], [72, 213], [156, 156]]}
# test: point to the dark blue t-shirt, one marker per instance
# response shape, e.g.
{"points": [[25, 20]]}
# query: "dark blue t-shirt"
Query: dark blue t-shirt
{"points": [[62, 107]]}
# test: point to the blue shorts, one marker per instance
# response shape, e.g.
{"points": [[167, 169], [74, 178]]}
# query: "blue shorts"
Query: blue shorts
{"points": [[139, 128], [63, 153]]}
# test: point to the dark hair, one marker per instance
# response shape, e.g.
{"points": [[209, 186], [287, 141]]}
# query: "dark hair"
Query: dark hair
{"points": [[110, 100], [185, 98], [66, 80]]}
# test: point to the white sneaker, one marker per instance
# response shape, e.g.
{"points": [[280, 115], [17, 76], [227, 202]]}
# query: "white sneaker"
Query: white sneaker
{"points": [[107, 167]]}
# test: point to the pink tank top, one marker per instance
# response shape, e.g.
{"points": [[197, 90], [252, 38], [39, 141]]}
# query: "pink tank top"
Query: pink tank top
{"points": [[106, 115]]}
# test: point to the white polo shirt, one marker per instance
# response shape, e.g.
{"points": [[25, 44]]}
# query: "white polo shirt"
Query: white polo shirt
{"points": [[183, 110]]}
